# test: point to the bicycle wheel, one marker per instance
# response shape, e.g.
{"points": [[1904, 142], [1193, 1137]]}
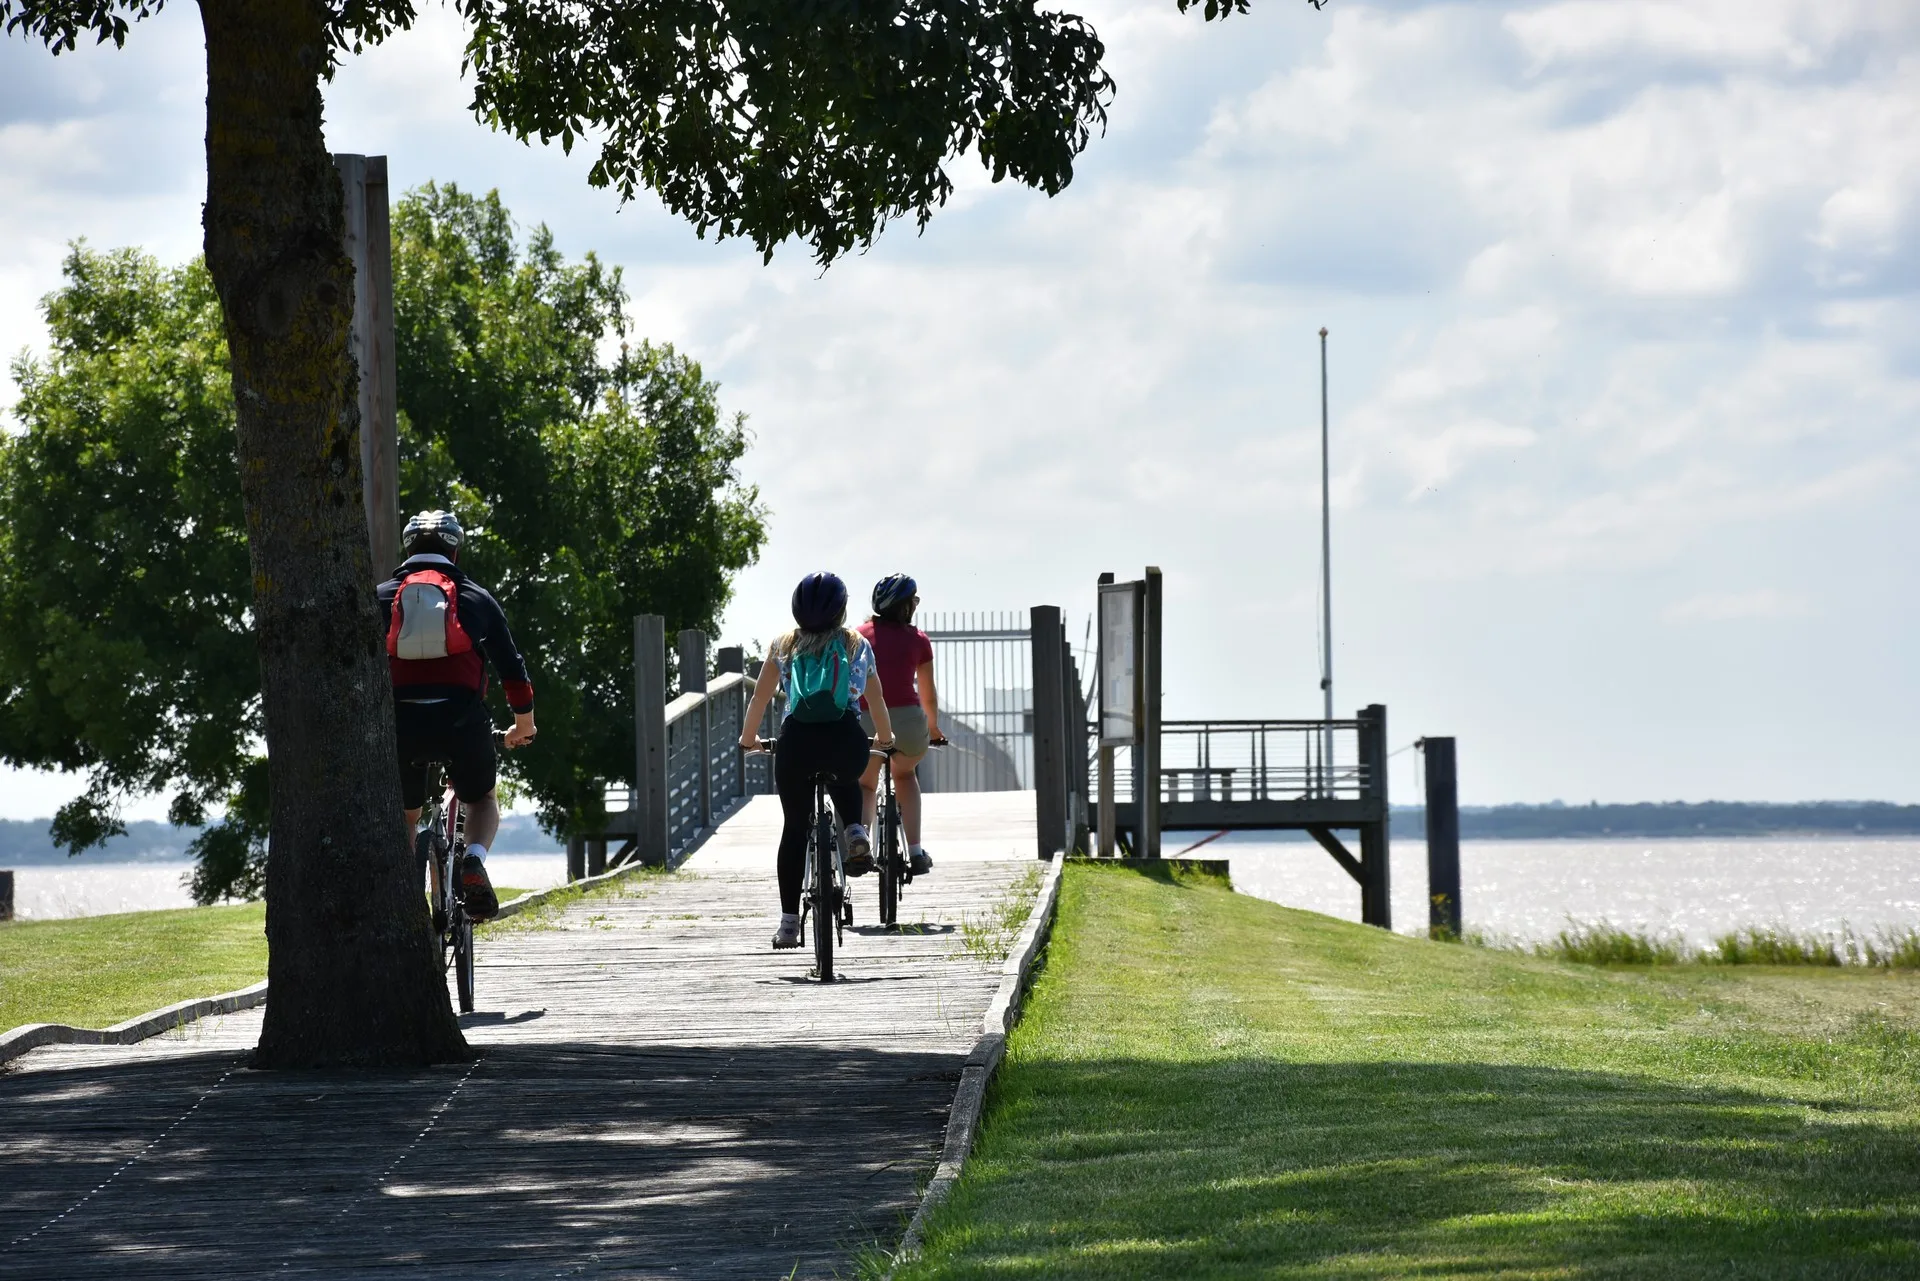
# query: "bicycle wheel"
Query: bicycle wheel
{"points": [[889, 867], [826, 906], [463, 961], [430, 858]]}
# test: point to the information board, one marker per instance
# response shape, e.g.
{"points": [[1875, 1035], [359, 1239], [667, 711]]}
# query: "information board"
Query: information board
{"points": [[1119, 664]]}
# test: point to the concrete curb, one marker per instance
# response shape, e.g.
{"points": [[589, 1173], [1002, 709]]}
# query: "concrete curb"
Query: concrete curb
{"points": [[534, 898], [32, 1036], [963, 1121]]}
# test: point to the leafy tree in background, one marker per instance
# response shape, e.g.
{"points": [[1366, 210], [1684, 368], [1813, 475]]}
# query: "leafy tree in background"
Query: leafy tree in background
{"points": [[125, 647], [758, 118], [595, 491]]}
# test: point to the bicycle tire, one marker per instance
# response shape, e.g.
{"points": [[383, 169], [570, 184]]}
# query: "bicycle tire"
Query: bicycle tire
{"points": [[826, 910], [430, 853], [463, 962], [889, 867]]}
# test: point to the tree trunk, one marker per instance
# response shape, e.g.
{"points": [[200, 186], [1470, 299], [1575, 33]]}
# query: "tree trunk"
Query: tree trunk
{"points": [[355, 972]]}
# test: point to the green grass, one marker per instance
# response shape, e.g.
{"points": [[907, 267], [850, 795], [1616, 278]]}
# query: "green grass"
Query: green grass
{"points": [[990, 935], [1603, 943], [93, 971], [1209, 1085]]}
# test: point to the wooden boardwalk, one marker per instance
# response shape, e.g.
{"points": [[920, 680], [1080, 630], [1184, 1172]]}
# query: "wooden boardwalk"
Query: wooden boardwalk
{"points": [[658, 1095]]}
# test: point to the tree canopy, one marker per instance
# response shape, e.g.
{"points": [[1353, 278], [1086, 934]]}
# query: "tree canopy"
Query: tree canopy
{"points": [[767, 119], [596, 487]]}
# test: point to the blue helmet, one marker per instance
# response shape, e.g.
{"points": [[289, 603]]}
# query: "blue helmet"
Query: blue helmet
{"points": [[820, 602], [891, 591]]}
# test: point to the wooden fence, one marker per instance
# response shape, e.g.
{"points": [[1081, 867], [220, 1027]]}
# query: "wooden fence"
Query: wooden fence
{"points": [[686, 755]]}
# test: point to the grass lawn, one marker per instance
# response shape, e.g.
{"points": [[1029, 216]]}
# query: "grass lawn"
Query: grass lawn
{"points": [[94, 971], [1209, 1085]]}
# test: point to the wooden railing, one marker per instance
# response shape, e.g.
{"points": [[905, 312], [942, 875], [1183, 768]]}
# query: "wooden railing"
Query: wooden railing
{"points": [[687, 756]]}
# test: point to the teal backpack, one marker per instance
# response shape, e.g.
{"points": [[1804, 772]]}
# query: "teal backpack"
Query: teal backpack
{"points": [[819, 685]]}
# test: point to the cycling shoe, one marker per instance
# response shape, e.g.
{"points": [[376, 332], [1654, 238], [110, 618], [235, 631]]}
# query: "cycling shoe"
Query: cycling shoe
{"points": [[859, 851], [476, 889]]}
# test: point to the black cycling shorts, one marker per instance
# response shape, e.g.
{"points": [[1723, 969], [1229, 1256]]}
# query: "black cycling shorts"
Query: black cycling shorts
{"points": [[458, 734]]}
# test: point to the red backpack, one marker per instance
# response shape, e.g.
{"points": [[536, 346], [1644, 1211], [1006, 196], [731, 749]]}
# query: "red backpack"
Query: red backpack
{"points": [[426, 618]]}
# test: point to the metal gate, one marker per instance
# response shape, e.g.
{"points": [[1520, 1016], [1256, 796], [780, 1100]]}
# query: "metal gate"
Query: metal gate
{"points": [[982, 668]]}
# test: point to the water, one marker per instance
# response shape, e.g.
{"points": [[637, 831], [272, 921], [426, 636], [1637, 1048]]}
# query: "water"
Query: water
{"points": [[1514, 889], [1527, 890], [83, 888]]}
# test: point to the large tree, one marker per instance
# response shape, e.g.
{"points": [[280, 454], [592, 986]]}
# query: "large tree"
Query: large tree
{"points": [[768, 119], [596, 488]]}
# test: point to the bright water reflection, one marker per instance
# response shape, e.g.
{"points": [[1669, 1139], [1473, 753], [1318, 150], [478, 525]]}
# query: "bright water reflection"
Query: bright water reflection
{"points": [[1695, 888], [1519, 889], [81, 888]]}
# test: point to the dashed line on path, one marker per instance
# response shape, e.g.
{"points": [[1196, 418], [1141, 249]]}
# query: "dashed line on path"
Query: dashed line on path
{"points": [[131, 1161], [433, 1119]]}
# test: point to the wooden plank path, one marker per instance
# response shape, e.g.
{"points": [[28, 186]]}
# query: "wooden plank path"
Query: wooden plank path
{"points": [[658, 1095]]}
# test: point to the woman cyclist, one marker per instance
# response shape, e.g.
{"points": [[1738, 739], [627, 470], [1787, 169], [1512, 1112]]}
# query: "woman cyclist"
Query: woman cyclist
{"points": [[904, 658], [822, 668]]}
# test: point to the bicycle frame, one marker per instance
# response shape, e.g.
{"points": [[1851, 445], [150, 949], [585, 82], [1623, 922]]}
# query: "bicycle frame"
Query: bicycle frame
{"points": [[823, 893], [445, 840]]}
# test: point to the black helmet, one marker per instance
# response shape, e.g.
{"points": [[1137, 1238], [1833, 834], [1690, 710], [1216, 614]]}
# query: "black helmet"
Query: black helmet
{"points": [[820, 602], [434, 531], [894, 589]]}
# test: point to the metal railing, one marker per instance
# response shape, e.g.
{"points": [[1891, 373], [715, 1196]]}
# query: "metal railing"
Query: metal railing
{"points": [[1254, 760], [982, 666]]}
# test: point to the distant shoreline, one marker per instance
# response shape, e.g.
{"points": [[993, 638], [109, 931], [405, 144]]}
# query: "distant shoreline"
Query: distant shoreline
{"points": [[1716, 819], [24, 842]]}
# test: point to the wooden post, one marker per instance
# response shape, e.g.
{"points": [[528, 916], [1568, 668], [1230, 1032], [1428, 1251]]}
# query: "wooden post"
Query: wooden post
{"points": [[6, 895], [1047, 638], [693, 661], [1376, 904], [596, 855], [576, 857], [650, 738], [369, 243], [1076, 749], [729, 658], [1148, 753], [1443, 839], [693, 680], [1106, 817]]}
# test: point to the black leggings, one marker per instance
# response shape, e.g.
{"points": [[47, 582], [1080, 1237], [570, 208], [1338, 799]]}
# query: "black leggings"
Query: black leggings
{"points": [[805, 749]]}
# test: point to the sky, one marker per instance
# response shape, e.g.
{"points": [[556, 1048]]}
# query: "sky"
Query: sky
{"points": [[1624, 362]]}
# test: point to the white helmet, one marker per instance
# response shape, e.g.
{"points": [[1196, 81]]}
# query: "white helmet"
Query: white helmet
{"points": [[439, 531]]}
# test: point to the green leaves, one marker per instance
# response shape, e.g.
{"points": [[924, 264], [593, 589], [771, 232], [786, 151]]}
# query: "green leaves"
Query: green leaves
{"points": [[770, 119], [596, 489], [124, 583]]}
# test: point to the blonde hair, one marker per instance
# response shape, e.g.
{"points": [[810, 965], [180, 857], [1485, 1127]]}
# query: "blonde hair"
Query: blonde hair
{"points": [[798, 642]]}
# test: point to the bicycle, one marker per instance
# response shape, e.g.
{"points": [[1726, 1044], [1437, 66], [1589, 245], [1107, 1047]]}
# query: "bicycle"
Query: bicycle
{"points": [[823, 892], [896, 870], [437, 849]]}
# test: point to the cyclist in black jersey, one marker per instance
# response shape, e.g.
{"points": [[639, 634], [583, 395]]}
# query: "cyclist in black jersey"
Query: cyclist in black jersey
{"points": [[442, 630]]}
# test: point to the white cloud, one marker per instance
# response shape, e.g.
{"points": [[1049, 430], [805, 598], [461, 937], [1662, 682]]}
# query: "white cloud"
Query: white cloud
{"points": [[1729, 607]]}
